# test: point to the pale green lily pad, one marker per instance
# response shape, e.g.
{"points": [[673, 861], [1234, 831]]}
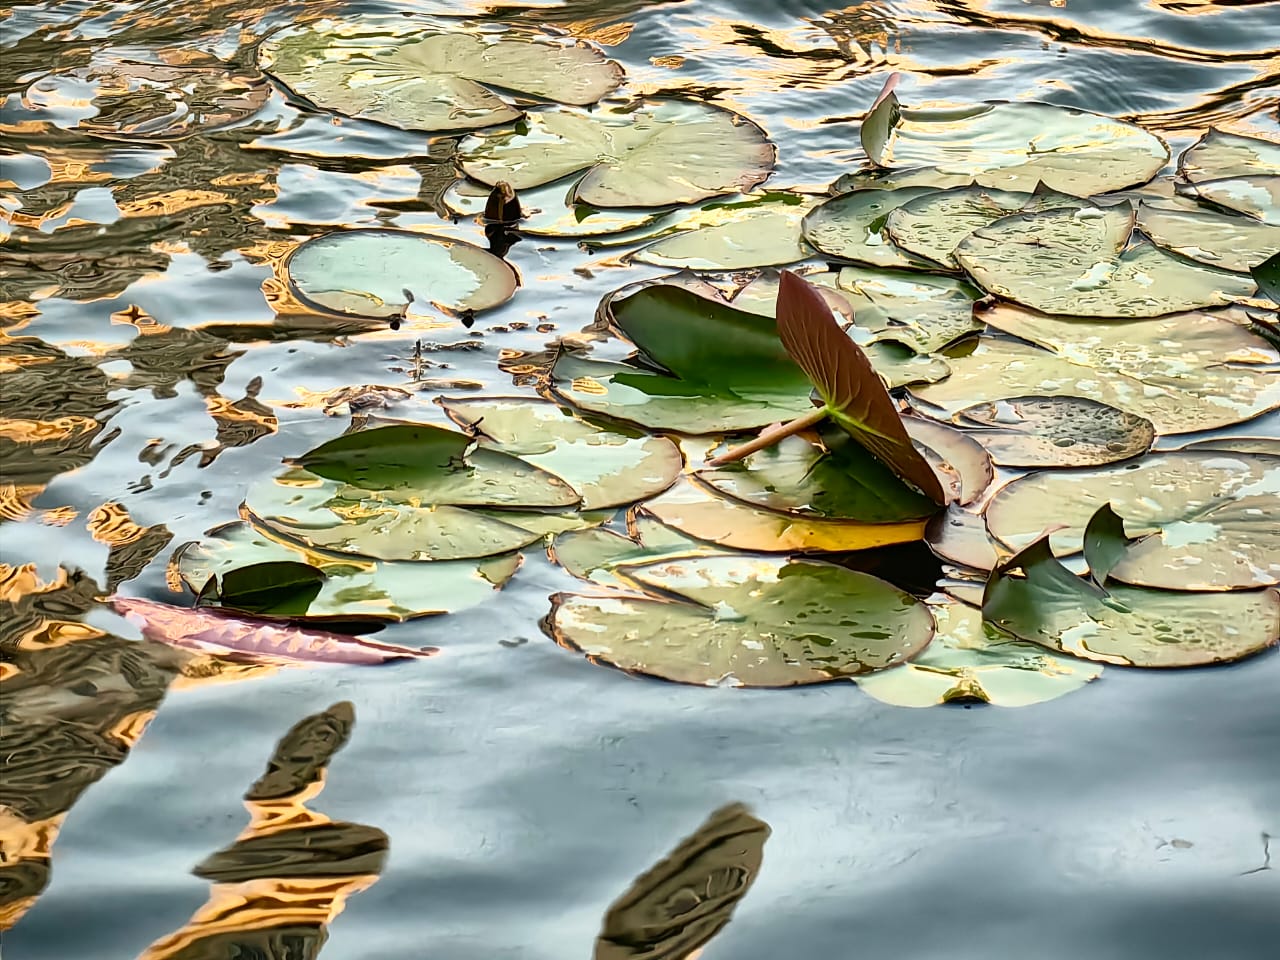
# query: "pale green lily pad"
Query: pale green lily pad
{"points": [[595, 555], [1255, 197], [922, 311], [1130, 626], [1219, 155], [608, 468], [933, 224], [1184, 373], [1056, 431], [842, 482], [550, 211], [647, 154], [970, 660], [354, 587], [757, 232], [853, 227], [379, 273], [961, 537], [410, 74], [878, 178], [695, 510], [1266, 445], [1015, 145], [1203, 520], [1078, 262], [746, 621], [1221, 240]]}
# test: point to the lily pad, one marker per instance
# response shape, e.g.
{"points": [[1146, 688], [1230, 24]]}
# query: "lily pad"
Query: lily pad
{"points": [[1014, 145], [961, 537], [853, 226], [746, 621], [695, 510], [1056, 431], [957, 453], [757, 232], [406, 73], [1267, 445], [550, 211], [1223, 240], [652, 153], [1202, 520], [1078, 262], [933, 224], [607, 468], [1267, 276], [378, 273], [1124, 625], [597, 554], [970, 660], [1237, 173], [354, 587], [1184, 373]]}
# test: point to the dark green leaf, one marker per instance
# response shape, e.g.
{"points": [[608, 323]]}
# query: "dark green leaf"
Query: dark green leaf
{"points": [[278, 587], [1267, 276], [1104, 543]]}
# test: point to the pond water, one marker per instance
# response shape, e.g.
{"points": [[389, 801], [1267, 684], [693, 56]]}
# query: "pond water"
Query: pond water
{"points": [[521, 789]]}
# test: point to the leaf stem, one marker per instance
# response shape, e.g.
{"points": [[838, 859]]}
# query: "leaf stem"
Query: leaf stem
{"points": [[769, 437]]}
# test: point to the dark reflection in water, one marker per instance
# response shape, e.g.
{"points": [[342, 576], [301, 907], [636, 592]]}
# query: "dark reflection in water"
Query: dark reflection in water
{"points": [[676, 907], [276, 889]]}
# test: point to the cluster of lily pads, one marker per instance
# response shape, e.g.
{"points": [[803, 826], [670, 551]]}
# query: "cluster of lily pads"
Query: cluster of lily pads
{"points": [[1004, 285]]}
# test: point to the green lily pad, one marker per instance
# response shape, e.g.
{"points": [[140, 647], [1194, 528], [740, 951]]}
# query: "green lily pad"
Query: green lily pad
{"points": [[550, 211], [652, 153], [1078, 262], [1267, 276], [353, 587], [1130, 626], [844, 481], [961, 537], [933, 224], [1223, 240], [270, 587], [853, 227], [1014, 145], [1184, 373], [695, 510], [596, 555], [1202, 520], [970, 660], [746, 621], [409, 74], [607, 468], [757, 232], [1233, 171], [1267, 445], [1056, 431], [378, 273]]}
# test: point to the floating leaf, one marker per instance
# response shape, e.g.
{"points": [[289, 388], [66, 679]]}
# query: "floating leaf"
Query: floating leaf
{"points": [[969, 660], [694, 510], [1222, 240], [402, 72], [757, 232], [596, 555], [276, 587], [608, 468], [1126, 625], [652, 153], [1267, 276], [746, 621], [961, 537], [1078, 262], [854, 397], [957, 452], [933, 224], [1056, 431], [353, 587], [1105, 543], [1237, 173], [1014, 146], [1267, 445], [687, 898], [210, 631], [378, 273], [1184, 373], [1203, 520], [549, 211], [853, 227]]}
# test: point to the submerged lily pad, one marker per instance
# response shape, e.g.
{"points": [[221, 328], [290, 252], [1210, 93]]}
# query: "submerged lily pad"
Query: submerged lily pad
{"points": [[648, 154], [378, 273], [1015, 145], [933, 224], [1078, 262], [1124, 625], [608, 469], [354, 587], [1184, 373], [1203, 520], [695, 510], [970, 660], [409, 74], [746, 621], [1056, 431], [853, 227], [550, 211]]}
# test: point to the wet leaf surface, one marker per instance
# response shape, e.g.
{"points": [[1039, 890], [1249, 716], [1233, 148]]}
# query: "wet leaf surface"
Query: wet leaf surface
{"points": [[1056, 431], [1222, 240], [597, 554], [757, 232], [745, 621], [854, 227]]}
